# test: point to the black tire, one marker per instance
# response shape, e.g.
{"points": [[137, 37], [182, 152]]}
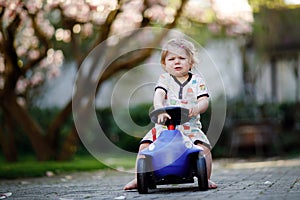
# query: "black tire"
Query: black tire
{"points": [[142, 177], [202, 174], [152, 184]]}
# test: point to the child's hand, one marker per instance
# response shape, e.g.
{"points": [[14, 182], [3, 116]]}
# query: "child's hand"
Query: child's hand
{"points": [[194, 111], [162, 118], [201, 107]]}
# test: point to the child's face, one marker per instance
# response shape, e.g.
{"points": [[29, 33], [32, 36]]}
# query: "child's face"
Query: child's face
{"points": [[177, 64]]}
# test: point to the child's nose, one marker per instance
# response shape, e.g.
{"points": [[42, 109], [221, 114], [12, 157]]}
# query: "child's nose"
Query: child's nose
{"points": [[177, 60]]}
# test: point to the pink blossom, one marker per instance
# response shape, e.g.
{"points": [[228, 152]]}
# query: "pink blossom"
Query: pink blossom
{"points": [[45, 26], [156, 13], [21, 51], [235, 14], [34, 6], [33, 54], [133, 5], [126, 22], [22, 85], [87, 30], [53, 72], [37, 78]]}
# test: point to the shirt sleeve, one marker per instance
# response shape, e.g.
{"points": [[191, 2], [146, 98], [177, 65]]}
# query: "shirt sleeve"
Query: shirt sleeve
{"points": [[202, 89], [162, 82]]}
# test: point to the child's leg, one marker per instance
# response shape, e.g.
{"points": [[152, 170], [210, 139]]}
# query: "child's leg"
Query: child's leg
{"points": [[133, 183], [208, 159]]}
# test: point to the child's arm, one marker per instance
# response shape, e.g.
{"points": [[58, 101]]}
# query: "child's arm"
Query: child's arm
{"points": [[158, 100], [201, 107], [159, 96]]}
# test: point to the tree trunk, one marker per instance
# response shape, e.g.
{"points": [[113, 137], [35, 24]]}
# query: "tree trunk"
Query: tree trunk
{"points": [[57, 123], [7, 140], [21, 116], [70, 145]]}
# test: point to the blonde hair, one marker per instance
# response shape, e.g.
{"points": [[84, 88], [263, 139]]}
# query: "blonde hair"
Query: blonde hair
{"points": [[178, 44]]}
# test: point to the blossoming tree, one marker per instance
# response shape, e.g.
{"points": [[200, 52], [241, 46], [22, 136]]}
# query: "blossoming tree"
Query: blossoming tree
{"points": [[37, 35]]}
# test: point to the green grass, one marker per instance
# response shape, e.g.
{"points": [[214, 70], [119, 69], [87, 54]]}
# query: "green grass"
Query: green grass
{"points": [[29, 167]]}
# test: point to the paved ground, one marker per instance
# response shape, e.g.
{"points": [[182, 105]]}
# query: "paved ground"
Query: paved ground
{"points": [[277, 179]]}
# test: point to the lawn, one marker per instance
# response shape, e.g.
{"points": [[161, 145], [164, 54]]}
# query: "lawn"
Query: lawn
{"points": [[29, 167]]}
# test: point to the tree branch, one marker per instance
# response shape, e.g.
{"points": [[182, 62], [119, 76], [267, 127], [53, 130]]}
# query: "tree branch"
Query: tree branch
{"points": [[129, 62], [44, 41], [12, 70]]}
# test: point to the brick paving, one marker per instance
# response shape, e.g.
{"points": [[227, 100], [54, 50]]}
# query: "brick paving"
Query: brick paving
{"points": [[240, 180]]}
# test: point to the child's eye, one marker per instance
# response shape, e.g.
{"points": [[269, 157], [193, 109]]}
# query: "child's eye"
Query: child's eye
{"points": [[174, 58]]}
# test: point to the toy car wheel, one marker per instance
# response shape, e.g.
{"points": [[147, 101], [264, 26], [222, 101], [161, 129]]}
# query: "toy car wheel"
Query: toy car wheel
{"points": [[202, 174], [152, 184], [142, 178]]}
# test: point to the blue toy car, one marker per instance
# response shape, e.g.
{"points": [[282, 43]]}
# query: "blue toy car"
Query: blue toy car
{"points": [[172, 158]]}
